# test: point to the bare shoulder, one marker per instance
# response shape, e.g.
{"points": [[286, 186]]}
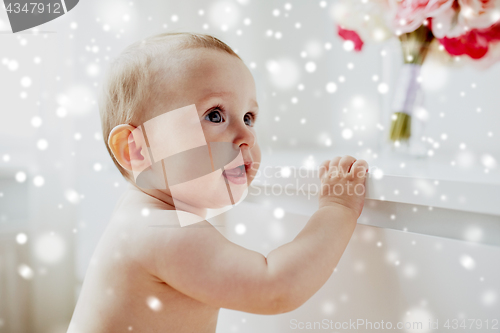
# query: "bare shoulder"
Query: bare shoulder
{"points": [[165, 243], [197, 260], [155, 236]]}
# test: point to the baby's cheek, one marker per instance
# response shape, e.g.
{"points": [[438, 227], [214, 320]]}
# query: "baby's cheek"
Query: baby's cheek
{"points": [[256, 154], [213, 133]]}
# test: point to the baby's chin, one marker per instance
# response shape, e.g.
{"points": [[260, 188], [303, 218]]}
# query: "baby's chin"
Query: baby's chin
{"points": [[226, 194]]}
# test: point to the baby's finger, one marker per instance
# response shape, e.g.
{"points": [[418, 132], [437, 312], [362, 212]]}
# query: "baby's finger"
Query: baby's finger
{"points": [[335, 161], [334, 166], [359, 169], [345, 164], [323, 168]]}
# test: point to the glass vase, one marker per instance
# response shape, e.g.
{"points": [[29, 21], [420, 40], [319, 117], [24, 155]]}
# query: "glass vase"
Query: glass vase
{"points": [[409, 115]]}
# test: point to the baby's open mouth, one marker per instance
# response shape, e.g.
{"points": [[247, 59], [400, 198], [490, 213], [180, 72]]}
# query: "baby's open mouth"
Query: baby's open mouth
{"points": [[236, 175]]}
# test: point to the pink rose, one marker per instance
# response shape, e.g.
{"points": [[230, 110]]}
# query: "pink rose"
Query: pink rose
{"points": [[491, 58], [352, 36], [475, 43], [472, 44], [408, 15], [492, 33], [366, 18], [470, 27], [479, 14], [466, 15]]}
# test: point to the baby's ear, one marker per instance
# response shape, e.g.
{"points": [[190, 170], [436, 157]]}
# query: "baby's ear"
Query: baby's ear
{"points": [[128, 147]]}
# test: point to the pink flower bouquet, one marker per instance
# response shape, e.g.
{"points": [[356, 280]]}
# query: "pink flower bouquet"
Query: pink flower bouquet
{"points": [[466, 30]]}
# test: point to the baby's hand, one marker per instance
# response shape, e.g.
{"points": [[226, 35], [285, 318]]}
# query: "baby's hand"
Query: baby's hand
{"points": [[343, 183]]}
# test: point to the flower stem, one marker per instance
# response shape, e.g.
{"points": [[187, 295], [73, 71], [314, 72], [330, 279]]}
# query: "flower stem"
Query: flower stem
{"points": [[415, 46]]}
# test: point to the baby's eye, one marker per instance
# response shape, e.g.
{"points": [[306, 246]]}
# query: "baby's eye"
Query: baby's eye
{"points": [[248, 119], [214, 117]]}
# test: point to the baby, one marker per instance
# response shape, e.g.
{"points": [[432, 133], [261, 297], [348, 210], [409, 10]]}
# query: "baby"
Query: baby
{"points": [[178, 116]]}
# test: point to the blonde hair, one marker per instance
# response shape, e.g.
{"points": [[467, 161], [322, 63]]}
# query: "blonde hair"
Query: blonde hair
{"points": [[127, 88]]}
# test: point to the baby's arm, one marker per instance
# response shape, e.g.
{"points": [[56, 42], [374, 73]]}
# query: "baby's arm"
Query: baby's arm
{"points": [[199, 262]]}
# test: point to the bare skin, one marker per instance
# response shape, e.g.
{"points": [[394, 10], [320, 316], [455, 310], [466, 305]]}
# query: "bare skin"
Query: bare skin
{"points": [[173, 279], [120, 279]]}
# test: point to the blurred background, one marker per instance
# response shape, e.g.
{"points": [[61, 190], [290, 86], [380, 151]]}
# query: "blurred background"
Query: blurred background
{"points": [[58, 185]]}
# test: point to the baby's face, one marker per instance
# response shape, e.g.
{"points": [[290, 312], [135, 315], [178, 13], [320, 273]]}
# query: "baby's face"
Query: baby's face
{"points": [[223, 91]]}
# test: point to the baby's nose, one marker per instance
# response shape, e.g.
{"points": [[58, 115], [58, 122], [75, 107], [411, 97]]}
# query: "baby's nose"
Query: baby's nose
{"points": [[245, 137]]}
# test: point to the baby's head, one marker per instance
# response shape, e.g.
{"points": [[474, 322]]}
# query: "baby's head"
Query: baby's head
{"points": [[198, 74]]}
